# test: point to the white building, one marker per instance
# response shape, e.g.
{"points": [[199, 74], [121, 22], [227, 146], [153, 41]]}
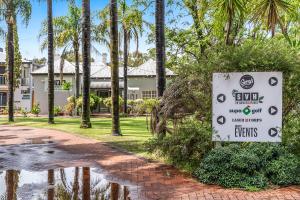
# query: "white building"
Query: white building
{"points": [[141, 82]]}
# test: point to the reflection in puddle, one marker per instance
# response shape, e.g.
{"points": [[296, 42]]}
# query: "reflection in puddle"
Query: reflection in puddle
{"points": [[61, 184]]}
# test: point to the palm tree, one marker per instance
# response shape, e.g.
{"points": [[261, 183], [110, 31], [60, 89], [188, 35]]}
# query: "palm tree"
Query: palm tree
{"points": [[160, 46], [132, 27], [9, 10], [67, 35], [269, 11], [50, 63], [229, 9], [114, 57], [86, 55]]}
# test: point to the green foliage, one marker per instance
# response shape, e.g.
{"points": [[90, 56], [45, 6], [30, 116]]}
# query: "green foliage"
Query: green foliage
{"points": [[108, 102], [186, 146], [70, 106], [94, 101], [249, 166], [142, 106], [291, 132], [24, 112], [66, 86], [36, 109], [58, 110]]}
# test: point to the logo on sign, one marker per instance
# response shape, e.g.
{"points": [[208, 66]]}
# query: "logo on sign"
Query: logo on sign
{"points": [[247, 81], [246, 111], [247, 97]]}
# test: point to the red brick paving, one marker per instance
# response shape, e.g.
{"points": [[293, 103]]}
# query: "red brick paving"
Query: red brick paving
{"points": [[152, 180]]}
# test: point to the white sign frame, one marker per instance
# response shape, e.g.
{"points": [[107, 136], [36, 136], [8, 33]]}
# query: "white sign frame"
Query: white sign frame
{"points": [[247, 106]]}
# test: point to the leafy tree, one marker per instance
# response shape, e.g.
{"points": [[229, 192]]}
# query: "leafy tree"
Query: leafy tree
{"points": [[132, 27], [67, 35], [270, 12], [9, 10], [229, 9]]}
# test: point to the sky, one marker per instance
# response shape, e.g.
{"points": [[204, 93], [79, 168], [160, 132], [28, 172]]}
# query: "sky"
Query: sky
{"points": [[28, 36]]}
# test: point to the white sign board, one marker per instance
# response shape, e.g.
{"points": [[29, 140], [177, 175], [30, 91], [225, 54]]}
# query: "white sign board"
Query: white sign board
{"points": [[247, 107]]}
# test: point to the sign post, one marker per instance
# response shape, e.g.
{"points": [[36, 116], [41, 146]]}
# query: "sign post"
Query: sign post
{"points": [[247, 107]]}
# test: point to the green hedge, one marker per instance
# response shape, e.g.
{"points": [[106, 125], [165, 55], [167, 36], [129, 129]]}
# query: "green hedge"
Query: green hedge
{"points": [[249, 166]]}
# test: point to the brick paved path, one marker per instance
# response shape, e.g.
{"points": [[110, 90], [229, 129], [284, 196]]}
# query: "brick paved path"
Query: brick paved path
{"points": [[150, 180]]}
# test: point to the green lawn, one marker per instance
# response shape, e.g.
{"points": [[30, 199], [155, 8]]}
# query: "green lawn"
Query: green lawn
{"points": [[134, 130]]}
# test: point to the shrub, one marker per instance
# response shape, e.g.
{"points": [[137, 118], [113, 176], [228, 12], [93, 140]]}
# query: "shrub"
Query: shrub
{"points": [[24, 112], [285, 170], [249, 166], [94, 101], [36, 109], [108, 102], [57, 110], [291, 133], [186, 146]]}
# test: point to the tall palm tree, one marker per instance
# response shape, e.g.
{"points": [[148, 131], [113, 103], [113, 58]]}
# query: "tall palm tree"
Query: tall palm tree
{"points": [[50, 63], [86, 56], [270, 11], [160, 46], [229, 9], [132, 27], [67, 35], [9, 9], [114, 57]]}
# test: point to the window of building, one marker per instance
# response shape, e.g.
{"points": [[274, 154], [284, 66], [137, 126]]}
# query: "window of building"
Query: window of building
{"points": [[3, 99], [151, 94]]}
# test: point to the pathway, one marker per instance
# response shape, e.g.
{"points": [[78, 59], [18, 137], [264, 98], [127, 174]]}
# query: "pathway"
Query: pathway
{"points": [[152, 180]]}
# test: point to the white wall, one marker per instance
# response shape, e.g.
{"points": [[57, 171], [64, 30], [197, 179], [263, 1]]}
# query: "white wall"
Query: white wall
{"points": [[40, 84]]}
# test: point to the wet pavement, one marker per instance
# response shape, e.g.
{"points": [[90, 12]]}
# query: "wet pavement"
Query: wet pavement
{"points": [[49, 164], [63, 184]]}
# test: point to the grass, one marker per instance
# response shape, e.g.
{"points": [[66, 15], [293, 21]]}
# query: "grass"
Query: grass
{"points": [[134, 130]]}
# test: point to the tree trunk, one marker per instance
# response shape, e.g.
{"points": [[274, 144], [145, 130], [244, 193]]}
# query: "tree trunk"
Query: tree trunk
{"points": [[114, 56], [86, 185], [77, 74], [12, 181], [228, 41], [114, 191], [10, 38], [86, 53], [160, 47], [125, 68], [50, 191], [75, 188], [50, 64]]}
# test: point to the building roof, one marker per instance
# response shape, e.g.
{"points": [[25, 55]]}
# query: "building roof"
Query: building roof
{"points": [[69, 68], [147, 69], [101, 70]]}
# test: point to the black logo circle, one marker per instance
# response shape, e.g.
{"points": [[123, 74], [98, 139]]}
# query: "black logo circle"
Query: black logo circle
{"points": [[273, 110], [247, 81], [273, 132], [221, 120], [273, 81], [221, 98]]}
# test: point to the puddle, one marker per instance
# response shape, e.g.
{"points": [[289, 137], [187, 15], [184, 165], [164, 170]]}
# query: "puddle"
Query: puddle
{"points": [[62, 184], [38, 140]]}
